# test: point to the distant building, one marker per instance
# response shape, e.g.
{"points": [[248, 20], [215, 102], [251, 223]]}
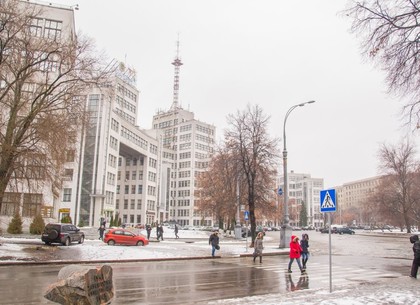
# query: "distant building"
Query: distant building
{"points": [[353, 196], [304, 188]]}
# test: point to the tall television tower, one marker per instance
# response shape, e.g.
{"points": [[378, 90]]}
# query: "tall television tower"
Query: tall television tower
{"points": [[177, 63]]}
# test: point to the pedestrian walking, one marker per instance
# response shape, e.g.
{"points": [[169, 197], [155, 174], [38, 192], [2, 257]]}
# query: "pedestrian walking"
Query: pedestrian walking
{"points": [[101, 232], [214, 242], [304, 244], [161, 232], [295, 252], [416, 261], [258, 246], [148, 230], [176, 231]]}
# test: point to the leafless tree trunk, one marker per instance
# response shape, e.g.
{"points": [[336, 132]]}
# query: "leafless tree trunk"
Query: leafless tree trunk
{"points": [[389, 33], [257, 155], [42, 81]]}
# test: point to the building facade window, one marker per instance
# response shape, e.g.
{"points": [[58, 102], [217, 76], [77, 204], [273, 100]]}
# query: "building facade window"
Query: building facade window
{"points": [[66, 194]]}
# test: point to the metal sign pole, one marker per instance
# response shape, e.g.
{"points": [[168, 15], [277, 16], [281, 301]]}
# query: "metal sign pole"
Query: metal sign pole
{"points": [[329, 236], [246, 237], [328, 205]]}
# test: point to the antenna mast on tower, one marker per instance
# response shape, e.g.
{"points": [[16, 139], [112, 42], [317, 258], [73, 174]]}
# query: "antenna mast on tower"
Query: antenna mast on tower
{"points": [[177, 63]]}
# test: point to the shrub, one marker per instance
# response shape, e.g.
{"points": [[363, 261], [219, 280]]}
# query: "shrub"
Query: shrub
{"points": [[37, 225], [15, 225], [81, 223], [66, 219]]}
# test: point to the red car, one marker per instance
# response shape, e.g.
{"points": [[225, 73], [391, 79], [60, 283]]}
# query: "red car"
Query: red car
{"points": [[124, 237]]}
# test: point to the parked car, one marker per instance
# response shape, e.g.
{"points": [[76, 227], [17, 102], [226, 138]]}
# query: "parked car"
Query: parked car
{"points": [[124, 237], [345, 231], [62, 233], [244, 231], [323, 230]]}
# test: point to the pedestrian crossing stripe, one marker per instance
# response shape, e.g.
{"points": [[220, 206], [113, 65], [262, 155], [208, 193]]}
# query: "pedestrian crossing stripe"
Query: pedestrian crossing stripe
{"points": [[328, 202]]}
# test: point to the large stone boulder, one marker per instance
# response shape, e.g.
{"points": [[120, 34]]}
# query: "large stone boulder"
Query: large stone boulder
{"points": [[82, 285]]}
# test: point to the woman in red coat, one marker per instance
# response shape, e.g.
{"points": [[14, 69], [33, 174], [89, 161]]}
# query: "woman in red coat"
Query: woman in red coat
{"points": [[295, 250]]}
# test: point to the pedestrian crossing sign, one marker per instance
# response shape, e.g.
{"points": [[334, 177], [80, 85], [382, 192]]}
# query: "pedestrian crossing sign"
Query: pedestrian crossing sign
{"points": [[328, 201]]}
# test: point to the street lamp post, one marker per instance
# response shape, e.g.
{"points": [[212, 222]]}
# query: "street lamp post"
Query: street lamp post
{"points": [[286, 229]]}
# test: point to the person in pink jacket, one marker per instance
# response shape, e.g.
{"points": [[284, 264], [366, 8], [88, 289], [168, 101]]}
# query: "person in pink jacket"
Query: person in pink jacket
{"points": [[295, 251]]}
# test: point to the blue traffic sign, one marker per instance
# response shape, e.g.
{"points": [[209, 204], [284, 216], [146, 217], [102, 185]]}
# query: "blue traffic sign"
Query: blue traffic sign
{"points": [[328, 201], [246, 215], [280, 191]]}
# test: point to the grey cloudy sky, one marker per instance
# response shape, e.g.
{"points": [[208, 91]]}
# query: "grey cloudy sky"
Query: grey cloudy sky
{"points": [[272, 53]]}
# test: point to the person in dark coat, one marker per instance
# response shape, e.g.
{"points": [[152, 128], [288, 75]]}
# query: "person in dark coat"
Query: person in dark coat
{"points": [[159, 232], [176, 231], [416, 261], [101, 232], [258, 246], [295, 252], [214, 242], [148, 230], [304, 244]]}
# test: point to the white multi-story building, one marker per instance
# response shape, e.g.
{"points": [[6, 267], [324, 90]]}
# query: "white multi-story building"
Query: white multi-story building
{"points": [[32, 198], [189, 144], [304, 188], [117, 168]]}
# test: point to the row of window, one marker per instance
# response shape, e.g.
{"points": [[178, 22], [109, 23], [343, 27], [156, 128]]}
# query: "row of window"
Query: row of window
{"points": [[133, 189], [132, 137], [46, 28], [125, 92], [125, 104], [133, 204], [112, 161], [129, 118]]}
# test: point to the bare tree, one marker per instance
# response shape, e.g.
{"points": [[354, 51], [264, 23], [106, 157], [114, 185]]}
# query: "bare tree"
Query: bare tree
{"points": [[217, 187], [389, 32], [42, 80], [398, 192], [257, 154]]}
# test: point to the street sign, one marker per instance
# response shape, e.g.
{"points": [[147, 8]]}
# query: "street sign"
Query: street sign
{"points": [[328, 201], [280, 191], [246, 215]]}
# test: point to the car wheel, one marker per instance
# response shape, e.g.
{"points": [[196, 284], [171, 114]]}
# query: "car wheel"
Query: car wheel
{"points": [[53, 234], [47, 243], [111, 242], [140, 243], [67, 242], [82, 239]]}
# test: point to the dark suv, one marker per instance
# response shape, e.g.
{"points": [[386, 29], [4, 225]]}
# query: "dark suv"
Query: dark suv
{"points": [[62, 233], [345, 231]]}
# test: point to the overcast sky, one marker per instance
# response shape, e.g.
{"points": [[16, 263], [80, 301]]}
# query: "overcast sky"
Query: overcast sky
{"points": [[272, 53]]}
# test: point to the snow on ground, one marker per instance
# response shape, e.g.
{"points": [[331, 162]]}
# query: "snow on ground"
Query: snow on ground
{"points": [[191, 244]]}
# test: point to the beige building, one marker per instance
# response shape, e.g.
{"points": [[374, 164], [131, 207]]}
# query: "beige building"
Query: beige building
{"points": [[353, 196]]}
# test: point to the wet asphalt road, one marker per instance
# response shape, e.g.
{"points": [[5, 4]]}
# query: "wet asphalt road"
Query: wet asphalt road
{"points": [[355, 258]]}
